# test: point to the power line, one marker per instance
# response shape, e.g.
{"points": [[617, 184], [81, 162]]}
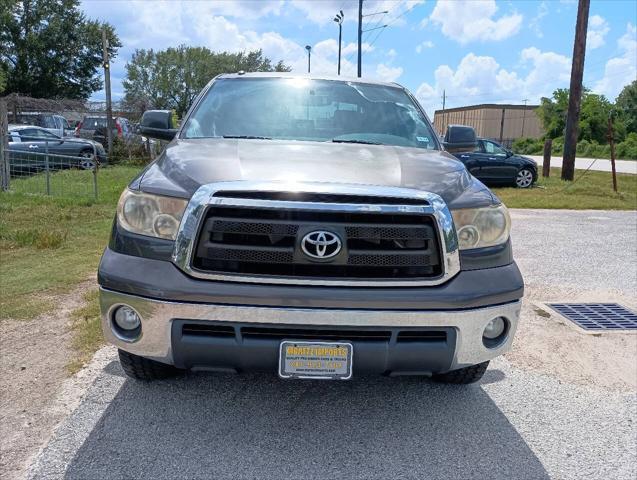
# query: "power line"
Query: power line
{"points": [[392, 21]]}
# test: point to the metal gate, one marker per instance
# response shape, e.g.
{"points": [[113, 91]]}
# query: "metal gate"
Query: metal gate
{"points": [[63, 167]]}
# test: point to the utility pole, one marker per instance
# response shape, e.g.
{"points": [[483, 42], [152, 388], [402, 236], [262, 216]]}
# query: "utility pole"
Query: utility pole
{"points": [[360, 37], [309, 57], [523, 117], [575, 92], [5, 165], [611, 141], [339, 19], [107, 88], [444, 114]]}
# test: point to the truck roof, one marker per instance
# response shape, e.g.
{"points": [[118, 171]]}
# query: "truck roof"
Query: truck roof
{"points": [[309, 76]]}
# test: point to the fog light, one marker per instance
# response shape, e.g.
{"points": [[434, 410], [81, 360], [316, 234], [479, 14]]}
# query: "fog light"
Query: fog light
{"points": [[126, 318], [494, 328]]}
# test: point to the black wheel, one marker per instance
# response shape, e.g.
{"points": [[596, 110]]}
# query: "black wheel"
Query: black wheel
{"points": [[463, 376], [87, 161], [141, 368], [524, 178]]}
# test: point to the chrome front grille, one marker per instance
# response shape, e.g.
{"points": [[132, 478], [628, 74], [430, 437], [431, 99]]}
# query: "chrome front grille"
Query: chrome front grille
{"points": [[266, 241], [251, 232]]}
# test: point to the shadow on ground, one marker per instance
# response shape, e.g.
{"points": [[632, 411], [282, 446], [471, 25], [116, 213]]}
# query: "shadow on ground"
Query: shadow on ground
{"points": [[222, 426]]}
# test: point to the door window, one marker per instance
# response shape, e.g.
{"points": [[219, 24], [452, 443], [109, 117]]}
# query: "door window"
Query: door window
{"points": [[47, 121], [35, 134], [493, 148]]}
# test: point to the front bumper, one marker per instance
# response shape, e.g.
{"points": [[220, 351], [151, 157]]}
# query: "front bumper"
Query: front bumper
{"points": [[162, 337]]}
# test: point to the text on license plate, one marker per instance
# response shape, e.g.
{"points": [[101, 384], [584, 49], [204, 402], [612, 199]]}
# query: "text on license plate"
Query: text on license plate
{"points": [[326, 360]]}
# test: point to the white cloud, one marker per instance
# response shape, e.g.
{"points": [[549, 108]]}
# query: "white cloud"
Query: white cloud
{"points": [[480, 79], [597, 30], [323, 11], [620, 71], [534, 24], [227, 25], [388, 73], [422, 46], [465, 21]]}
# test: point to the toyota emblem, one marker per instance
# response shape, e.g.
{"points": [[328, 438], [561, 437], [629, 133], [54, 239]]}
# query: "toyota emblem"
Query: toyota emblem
{"points": [[321, 245]]}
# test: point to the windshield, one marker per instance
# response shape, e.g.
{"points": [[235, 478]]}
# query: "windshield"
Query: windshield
{"points": [[312, 110], [94, 122]]}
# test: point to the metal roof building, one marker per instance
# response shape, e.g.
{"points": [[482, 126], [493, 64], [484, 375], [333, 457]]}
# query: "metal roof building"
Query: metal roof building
{"points": [[500, 122]]}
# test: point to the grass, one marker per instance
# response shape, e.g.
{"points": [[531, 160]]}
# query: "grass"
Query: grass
{"points": [[591, 190], [49, 244], [87, 332]]}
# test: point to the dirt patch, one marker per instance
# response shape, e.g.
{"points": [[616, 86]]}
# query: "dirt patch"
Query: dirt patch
{"points": [[548, 343], [33, 359]]}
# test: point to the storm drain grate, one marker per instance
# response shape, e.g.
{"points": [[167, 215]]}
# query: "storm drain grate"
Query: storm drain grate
{"points": [[597, 316]]}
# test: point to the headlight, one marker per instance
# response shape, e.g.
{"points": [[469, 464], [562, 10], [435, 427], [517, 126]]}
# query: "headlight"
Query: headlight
{"points": [[482, 227], [151, 215]]}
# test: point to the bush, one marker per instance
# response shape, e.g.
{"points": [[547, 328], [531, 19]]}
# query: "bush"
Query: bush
{"points": [[628, 148], [585, 148], [528, 146], [132, 153]]}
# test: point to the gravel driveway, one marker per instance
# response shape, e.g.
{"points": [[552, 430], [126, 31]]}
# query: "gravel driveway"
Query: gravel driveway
{"points": [[543, 411]]}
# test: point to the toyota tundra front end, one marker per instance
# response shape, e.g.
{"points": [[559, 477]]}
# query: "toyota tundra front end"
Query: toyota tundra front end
{"points": [[308, 227]]}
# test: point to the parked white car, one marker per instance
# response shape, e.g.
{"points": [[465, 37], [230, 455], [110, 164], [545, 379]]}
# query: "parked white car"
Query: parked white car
{"points": [[51, 122]]}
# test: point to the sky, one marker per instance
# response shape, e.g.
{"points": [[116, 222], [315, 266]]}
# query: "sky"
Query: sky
{"points": [[484, 51]]}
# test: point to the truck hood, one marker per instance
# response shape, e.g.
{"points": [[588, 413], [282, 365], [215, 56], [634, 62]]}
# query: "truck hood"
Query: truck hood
{"points": [[185, 165]]}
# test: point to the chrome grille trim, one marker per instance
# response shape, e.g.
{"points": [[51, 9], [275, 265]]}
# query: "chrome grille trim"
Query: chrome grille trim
{"points": [[432, 205]]}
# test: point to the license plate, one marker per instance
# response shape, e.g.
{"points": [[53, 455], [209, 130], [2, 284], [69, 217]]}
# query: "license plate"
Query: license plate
{"points": [[319, 360]]}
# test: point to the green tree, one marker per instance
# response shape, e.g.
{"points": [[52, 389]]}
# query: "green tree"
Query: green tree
{"points": [[626, 106], [49, 49], [552, 113], [172, 78], [593, 122]]}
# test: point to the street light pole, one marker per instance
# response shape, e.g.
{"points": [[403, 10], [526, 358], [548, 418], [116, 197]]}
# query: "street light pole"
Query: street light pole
{"points": [[360, 36], [309, 56], [339, 19], [107, 89]]}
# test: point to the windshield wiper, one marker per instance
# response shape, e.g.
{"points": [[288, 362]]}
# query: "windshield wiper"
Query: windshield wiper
{"points": [[364, 142], [248, 137]]}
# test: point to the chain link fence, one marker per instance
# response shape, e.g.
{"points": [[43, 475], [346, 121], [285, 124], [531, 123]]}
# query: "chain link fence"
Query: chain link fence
{"points": [[45, 151]]}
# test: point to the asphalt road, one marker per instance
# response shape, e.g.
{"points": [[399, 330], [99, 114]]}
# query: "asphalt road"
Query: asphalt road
{"points": [[600, 164], [515, 423]]}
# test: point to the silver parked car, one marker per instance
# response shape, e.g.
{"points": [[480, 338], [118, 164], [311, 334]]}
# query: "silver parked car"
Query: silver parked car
{"points": [[51, 122], [28, 143]]}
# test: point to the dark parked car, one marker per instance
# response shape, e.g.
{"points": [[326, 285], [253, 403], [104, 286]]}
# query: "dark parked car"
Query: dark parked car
{"points": [[493, 164], [94, 127], [313, 227], [28, 142]]}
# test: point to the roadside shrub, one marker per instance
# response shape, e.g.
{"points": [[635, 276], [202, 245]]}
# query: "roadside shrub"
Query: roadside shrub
{"points": [[528, 146], [585, 148], [628, 148], [132, 153]]}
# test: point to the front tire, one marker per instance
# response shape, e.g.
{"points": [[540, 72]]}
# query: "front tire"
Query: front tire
{"points": [[141, 368], [463, 376], [87, 161], [524, 178]]}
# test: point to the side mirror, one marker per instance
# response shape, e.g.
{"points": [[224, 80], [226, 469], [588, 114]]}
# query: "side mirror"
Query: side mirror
{"points": [[158, 124], [460, 138]]}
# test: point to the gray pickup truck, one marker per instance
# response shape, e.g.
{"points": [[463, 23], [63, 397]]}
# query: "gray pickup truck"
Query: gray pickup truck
{"points": [[310, 226]]}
